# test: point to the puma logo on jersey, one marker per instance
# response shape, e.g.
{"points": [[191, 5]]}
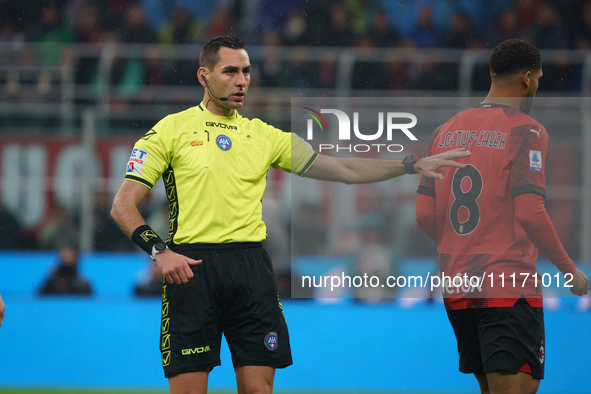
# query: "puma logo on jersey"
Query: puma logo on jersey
{"points": [[535, 131]]}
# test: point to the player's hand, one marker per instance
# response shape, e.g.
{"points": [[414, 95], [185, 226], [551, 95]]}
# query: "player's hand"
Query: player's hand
{"points": [[428, 166], [175, 267], [580, 283]]}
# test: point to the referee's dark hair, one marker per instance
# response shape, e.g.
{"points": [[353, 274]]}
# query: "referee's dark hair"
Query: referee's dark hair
{"points": [[514, 56], [210, 53]]}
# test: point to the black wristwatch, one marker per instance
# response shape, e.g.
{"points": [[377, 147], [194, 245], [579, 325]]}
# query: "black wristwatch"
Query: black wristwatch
{"points": [[409, 162], [158, 247]]}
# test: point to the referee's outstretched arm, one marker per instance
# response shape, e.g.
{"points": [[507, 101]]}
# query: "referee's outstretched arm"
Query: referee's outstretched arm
{"points": [[355, 170]]}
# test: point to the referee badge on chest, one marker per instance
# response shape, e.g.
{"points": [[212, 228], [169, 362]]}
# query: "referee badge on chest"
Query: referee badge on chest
{"points": [[223, 142]]}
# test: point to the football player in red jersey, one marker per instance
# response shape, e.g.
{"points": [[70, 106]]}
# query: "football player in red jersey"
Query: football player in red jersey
{"points": [[489, 220]]}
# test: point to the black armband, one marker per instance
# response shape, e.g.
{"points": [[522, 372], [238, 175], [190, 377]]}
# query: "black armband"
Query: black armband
{"points": [[145, 238]]}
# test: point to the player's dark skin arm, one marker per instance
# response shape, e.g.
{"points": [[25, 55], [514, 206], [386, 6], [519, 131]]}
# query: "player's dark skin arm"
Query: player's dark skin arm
{"points": [[530, 212], [175, 267], [355, 170]]}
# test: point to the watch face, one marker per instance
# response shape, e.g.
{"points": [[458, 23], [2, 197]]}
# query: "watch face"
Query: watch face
{"points": [[160, 247], [410, 158]]}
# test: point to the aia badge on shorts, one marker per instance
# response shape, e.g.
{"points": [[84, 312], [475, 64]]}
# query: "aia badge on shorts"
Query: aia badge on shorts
{"points": [[542, 355], [271, 341], [224, 142]]}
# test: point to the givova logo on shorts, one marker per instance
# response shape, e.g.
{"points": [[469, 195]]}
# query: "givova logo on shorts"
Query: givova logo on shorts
{"points": [[271, 341], [197, 350]]}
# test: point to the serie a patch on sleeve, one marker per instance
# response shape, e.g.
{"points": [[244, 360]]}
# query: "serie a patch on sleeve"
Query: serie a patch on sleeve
{"points": [[535, 160], [136, 161]]}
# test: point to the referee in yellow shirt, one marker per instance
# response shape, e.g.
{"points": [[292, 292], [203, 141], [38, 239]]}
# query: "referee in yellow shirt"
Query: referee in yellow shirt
{"points": [[219, 278]]}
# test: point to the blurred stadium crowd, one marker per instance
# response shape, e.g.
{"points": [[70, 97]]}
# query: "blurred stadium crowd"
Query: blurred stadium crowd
{"points": [[452, 23], [365, 25]]}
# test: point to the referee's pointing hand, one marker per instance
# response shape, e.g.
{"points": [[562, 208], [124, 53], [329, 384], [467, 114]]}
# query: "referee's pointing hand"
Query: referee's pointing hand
{"points": [[176, 267]]}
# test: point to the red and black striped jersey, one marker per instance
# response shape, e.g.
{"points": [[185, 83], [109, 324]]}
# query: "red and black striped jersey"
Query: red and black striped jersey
{"points": [[477, 234]]}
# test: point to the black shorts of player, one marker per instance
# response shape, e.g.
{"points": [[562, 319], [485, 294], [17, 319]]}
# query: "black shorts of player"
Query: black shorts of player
{"points": [[232, 292], [500, 339]]}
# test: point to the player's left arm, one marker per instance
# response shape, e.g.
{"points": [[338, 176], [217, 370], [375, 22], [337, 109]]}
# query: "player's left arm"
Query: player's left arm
{"points": [[356, 170], [528, 189], [530, 212]]}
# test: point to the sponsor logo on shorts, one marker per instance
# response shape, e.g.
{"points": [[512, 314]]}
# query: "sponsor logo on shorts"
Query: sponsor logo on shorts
{"points": [[197, 350], [224, 142], [271, 341], [542, 354]]}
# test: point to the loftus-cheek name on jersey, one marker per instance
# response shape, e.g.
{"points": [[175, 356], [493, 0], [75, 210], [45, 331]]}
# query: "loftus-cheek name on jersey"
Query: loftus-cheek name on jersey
{"points": [[221, 125], [465, 138]]}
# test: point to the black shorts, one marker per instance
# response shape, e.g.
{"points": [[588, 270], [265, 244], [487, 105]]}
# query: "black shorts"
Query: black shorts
{"points": [[233, 291], [500, 339]]}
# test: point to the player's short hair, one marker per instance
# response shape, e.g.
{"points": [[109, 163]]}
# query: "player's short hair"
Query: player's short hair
{"points": [[514, 56], [210, 53]]}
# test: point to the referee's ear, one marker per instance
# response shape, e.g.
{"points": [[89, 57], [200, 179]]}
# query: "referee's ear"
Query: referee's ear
{"points": [[201, 75]]}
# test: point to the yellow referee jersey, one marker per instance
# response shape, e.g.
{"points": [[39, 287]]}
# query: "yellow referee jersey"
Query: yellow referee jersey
{"points": [[214, 169]]}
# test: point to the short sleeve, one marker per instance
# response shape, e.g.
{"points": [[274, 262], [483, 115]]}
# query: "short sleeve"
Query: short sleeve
{"points": [[527, 169], [150, 156], [291, 153]]}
